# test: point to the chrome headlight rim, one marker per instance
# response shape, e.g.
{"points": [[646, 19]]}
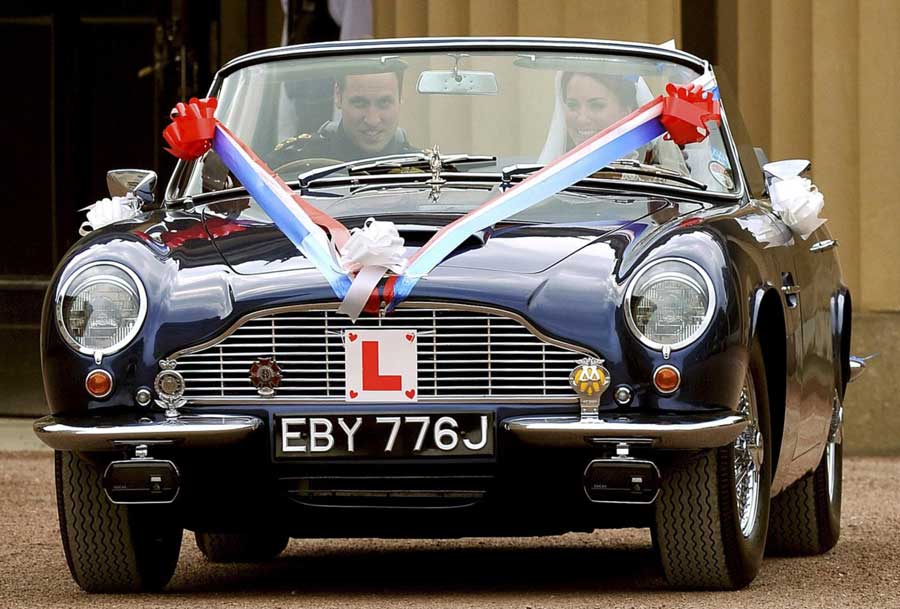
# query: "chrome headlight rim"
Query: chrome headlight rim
{"points": [[707, 317], [139, 320]]}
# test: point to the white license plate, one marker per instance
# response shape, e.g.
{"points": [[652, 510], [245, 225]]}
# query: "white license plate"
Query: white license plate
{"points": [[385, 435]]}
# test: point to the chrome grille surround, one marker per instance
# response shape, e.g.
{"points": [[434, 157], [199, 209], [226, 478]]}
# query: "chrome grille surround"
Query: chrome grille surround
{"points": [[467, 353]]}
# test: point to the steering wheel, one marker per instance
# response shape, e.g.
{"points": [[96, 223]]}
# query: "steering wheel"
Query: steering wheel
{"points": [[298, 166]]}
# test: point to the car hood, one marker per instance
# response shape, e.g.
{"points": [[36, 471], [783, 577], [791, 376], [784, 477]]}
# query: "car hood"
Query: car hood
{"points": [[251, 244]]}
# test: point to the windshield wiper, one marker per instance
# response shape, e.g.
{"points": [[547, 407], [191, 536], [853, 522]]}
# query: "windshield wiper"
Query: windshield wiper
{"points": [[388, 163], [627, 166]]}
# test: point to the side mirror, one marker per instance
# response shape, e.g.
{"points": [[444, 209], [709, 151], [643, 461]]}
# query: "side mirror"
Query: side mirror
{"points": [[139, 182], [782, 170]]}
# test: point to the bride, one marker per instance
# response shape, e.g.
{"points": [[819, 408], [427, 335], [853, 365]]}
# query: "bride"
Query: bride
{"points": [[590, 102]]}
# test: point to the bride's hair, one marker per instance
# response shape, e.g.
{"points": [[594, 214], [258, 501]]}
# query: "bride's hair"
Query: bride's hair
{"points": [[623, 89]]}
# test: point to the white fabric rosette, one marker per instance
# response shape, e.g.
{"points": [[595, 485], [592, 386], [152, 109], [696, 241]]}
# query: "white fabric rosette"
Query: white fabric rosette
{"points": [[375, 244], [370, 252], [798, 202], [106, 211], [766, 230]]}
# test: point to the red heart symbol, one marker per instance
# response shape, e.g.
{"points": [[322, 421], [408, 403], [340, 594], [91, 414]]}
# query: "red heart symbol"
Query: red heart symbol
{"points": [[410, 393], [352, 338], [410, 337], [353, 394]]}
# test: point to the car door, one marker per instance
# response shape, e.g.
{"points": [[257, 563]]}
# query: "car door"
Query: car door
{"points": [[814, 265]]}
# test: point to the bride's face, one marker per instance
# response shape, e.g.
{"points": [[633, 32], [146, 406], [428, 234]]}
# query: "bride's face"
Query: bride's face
{"points": [[590, 107]]}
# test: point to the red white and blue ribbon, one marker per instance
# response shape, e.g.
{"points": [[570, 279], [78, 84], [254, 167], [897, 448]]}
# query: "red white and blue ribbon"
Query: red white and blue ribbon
{"points": [[683, 114], [194, 130], [275, 197]]}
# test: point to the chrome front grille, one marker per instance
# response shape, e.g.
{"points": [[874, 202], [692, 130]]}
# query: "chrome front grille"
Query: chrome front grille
{"points": [[464, 354]]}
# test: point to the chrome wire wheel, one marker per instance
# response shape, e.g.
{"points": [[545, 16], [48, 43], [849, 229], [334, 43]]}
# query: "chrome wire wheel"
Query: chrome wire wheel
{"points": [[835, 437], [748, 460]]}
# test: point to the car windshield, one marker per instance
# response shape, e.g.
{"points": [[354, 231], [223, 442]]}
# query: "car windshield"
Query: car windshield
{"points": [[298, 114]]}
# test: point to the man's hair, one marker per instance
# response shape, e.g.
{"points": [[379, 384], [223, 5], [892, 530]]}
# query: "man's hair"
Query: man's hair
{"points": [[341, 81], [624, 90]]}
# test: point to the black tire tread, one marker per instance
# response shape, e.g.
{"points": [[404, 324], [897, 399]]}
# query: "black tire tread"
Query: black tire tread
{"points": [[798, 523], [98, 537], [687, 527]]}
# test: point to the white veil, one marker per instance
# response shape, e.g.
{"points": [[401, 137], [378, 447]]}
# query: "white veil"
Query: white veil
{"points": [[555, 145]]}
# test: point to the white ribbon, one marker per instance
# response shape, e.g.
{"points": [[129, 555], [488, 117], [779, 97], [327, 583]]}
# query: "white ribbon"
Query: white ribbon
{"points": [[375, 244], [767, 230], [798, 202], [106, 211], [370, 252]]}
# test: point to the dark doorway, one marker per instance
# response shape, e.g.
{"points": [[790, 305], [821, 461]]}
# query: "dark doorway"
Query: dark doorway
{"points": [[89, 88]]}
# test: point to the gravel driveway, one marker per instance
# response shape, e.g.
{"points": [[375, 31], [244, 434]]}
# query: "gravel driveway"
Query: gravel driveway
{"points": [[606, 568]]}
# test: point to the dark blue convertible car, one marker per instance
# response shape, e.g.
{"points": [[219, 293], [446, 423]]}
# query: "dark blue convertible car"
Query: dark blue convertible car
{"points": [[656, 345]]}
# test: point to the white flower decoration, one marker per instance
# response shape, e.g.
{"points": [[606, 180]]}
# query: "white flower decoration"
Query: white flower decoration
{"points": [[106, 211]]}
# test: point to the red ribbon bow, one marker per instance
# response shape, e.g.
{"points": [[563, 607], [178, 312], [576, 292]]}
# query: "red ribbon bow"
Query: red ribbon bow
{"points": [[193, 126], [191, 133], [685, 112]]}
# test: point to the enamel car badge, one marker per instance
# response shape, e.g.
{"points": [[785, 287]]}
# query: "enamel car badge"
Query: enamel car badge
{"points": [[590, 378], [265, 375]]}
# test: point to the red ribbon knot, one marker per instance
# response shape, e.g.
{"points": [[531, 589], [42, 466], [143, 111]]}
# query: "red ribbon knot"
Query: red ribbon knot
{"points": [[193, 126], [686, 110]]}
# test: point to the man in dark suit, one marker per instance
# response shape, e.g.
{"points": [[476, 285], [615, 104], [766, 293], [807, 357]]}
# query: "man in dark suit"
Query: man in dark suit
{"points": [[368, 127]]}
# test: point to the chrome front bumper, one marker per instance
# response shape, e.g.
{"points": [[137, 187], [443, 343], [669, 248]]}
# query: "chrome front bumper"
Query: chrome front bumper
{"points": [[209, 430], [111, 433], [658, 431]]}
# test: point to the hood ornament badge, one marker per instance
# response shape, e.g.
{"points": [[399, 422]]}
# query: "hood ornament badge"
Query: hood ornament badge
{"points": [[265, 375], [589, 379], [436, 166]]}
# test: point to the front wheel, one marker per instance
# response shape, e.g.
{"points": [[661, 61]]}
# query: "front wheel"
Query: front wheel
{"points": [[712, 512], [109, 547], [806, 516]]}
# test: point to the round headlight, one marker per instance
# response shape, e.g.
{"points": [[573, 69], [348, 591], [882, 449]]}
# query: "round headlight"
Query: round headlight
{"points": [[669, 303], [100, 308]]}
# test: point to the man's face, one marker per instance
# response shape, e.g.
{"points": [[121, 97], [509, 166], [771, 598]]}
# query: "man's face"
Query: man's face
{"points": [[370, 104]]}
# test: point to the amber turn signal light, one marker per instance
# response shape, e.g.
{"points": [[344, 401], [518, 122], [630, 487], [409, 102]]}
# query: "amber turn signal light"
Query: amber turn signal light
{"points": [[98, 383], [666, 379]]}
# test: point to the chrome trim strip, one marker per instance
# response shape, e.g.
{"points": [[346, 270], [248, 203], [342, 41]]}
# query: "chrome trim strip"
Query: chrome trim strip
{"points": [[857, 367], [823, 246], [682, 432], [411, 45], [102, 433]]}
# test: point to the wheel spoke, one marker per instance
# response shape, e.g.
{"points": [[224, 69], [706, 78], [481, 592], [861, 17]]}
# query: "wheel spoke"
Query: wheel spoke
{"points": [[747, 461]]}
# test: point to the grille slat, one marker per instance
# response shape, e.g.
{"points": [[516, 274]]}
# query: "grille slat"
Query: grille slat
{"points": [[508, 362]]}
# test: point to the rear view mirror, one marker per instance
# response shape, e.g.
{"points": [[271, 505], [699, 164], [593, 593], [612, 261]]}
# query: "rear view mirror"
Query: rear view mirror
{"points": [[457, 82]]}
